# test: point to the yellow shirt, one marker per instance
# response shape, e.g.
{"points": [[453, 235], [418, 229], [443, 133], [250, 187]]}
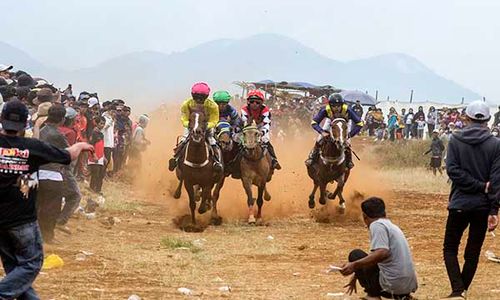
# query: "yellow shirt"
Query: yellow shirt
{"points": [[211, 112]]}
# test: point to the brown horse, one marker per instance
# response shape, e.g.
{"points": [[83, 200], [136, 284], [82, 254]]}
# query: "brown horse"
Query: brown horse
{"points": [[255, 169], [331, 165], [196, 165]]}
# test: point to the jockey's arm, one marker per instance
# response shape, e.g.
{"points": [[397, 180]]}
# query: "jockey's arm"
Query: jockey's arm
{"points": [[266, 122], [213, 111], [320, 116], [235, 118], [357, 123], [185, 114]]}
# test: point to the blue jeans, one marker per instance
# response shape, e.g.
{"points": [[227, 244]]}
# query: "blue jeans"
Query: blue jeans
{"points": [[22, 258]]}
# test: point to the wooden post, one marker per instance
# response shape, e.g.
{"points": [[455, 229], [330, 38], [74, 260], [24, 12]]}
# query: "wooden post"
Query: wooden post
{"points": [[484, 99], [411, 96], [463, 100], [376, 95]]}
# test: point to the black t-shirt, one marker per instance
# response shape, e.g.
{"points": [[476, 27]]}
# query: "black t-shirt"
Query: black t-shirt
{"points": [[21, 156]]}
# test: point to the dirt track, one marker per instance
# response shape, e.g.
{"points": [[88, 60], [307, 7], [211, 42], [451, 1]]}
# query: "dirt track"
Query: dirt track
{"points": [[129, 257]]}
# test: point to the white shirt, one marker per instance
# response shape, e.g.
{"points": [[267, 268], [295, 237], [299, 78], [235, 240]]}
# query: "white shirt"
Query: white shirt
{"points": [[108, 131]]}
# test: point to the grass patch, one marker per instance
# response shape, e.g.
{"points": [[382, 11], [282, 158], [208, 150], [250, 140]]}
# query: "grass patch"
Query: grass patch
{"points": [[401, 154], [175, 243], [416, 180]]}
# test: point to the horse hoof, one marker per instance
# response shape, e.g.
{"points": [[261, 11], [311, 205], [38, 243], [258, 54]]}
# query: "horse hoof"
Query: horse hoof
{"points": [[341, 209], [203, 209], [177, 194], [331, 196], [216, 221], [342, 205], [251, 220], [312, 204], [267, 197], [322, 201]]}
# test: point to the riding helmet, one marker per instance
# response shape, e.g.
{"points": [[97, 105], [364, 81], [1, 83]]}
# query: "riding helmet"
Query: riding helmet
{"points": [[335, 99], [222, 97]]}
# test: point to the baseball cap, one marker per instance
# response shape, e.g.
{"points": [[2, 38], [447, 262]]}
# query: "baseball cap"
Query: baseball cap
{"points": [[478, 110], [93, 101], [44, 95], [14, 115], [70, 113], [4, 68], [435, 131]]}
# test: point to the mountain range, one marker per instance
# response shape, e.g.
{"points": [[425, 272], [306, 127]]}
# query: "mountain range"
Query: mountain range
{"points": [[154, 77]]}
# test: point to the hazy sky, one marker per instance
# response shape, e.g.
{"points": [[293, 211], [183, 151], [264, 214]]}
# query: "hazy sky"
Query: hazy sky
{"points": [[458, 39]]}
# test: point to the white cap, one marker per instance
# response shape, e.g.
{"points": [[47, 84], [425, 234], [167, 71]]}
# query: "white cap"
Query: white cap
{"points": [[435, 131], [478, 110], [5, 68], [93, 101]]}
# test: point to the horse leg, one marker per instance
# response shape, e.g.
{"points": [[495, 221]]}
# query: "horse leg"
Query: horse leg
{"points": [[206, 196], [192, 202], [267, 196], [311, 196], [197, 193], [178, 191], [247, 185], [322, 193], [260, 201]]}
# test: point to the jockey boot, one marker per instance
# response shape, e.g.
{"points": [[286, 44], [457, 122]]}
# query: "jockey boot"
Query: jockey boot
{"points": [[348, 158], [274, 161], [217, 159], [172, 164], [313, 156]]}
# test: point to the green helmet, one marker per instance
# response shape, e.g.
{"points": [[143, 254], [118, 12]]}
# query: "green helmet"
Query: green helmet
{"points": [[222, 97]]}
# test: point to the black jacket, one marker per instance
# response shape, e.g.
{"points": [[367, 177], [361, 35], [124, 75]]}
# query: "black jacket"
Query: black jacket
{"points": [[473, 159]]}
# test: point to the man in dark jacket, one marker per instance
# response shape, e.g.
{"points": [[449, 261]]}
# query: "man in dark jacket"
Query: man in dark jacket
{"points": [[473, 165], [20, 241], [496, 121], [437, 149]]}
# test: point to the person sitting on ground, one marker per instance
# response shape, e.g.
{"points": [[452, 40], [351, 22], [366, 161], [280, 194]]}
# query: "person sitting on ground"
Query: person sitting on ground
{"points": [[388, 271], [437, 149]]}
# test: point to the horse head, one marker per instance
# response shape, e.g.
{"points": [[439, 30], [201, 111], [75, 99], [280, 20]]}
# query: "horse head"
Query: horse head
{"points": [[197, 126], [225, 136], [333, 145], [251, 136]]}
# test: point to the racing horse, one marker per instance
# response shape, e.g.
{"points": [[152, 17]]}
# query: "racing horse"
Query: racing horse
{"points": [[195, 167], [331, 165], [255, 166]]}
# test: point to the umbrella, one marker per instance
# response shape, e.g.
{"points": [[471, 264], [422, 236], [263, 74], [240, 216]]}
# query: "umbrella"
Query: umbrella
{"points": [[353, 96]]}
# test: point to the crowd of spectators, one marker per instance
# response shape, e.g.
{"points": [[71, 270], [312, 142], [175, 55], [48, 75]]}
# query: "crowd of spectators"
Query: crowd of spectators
{"points": [[61, 119]]}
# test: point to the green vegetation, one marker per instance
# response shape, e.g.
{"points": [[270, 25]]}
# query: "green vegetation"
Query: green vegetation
{"points": [[175, 243]]}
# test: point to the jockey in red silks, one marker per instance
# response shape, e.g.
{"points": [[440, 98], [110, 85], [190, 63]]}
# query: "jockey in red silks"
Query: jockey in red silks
{"points": [[257, 111]]}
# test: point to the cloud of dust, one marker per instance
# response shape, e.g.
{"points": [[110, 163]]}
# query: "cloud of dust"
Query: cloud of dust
{"points": [[289, 188]]}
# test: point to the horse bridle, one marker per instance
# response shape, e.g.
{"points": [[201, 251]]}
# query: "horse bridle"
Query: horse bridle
{"points": [[340, 142]]}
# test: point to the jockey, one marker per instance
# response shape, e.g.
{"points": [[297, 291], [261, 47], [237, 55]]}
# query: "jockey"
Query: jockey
{"points": [[199, 93], [227, 113], [336, 108], [257, 111]]}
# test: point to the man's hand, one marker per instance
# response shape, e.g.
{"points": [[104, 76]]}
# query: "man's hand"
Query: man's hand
{"points": [[492, 222], [77, 148], [347, 269], [487, 188], [325, 134], [351, 286]]}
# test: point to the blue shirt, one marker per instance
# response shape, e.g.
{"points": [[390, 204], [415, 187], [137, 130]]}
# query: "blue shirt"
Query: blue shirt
{"points": [[346, 113]]}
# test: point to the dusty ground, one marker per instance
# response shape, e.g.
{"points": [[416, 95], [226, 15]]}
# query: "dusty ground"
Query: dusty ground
{"points": [[145, 254]]}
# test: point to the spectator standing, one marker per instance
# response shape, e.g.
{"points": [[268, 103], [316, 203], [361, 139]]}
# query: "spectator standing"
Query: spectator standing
{"points": [[421, 124], [392, 123], [419, 114], [408, 118], [21, 247], [432, 120], [109, 133], [97, 162], [437, 149], [496, 121], [473, 166]]}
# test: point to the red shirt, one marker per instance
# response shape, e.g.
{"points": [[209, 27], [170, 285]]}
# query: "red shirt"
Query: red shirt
{"points": [[69, 133]]}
